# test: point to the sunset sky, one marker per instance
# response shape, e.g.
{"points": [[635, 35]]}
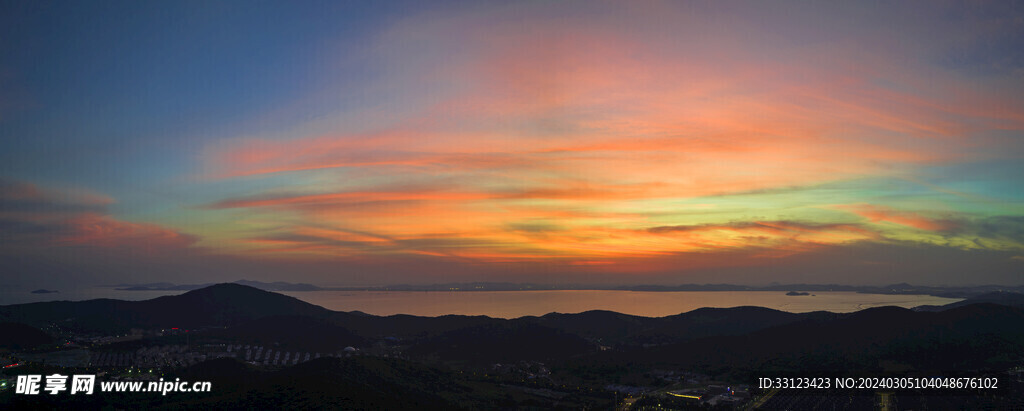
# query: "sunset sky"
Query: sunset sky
{"points": [[634, 142]]}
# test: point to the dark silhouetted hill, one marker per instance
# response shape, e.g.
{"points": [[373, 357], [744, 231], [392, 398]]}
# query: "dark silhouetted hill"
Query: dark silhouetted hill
{"points": [[509, 341], [16, 336], [216, 305], [706, 322], [873, 341], [293, 332], [367, 383], [407, 326], [1009, 298], [605, 327], [611, 328], [225, 304]]}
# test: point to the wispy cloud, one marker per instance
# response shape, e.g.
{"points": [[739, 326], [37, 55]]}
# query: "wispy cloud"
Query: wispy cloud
{"points": [[34, 217], [906, 218]]}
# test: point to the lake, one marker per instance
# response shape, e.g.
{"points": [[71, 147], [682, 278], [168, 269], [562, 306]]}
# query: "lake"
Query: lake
{"points": [[512, 304]]}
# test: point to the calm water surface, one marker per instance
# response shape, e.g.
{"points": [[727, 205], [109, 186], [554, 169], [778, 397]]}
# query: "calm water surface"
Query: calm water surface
{"points": [[512, 304]]}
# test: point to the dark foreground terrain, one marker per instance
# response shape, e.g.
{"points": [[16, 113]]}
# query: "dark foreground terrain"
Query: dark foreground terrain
{"points": [[260, 349]]}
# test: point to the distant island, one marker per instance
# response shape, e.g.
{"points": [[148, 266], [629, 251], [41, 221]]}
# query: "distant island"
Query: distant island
{"points": [[274, 286], [44, 291], [794, 293]]}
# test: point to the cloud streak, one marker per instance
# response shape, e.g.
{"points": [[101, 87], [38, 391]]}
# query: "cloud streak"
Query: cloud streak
{"points": [[906, 218], [33, 218]]}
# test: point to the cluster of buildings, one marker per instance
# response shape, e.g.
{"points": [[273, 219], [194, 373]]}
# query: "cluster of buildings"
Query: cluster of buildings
{"points": [[168, 356], [181, 356], [524, 369], [151, 357], [258, 355], [108, 339]]}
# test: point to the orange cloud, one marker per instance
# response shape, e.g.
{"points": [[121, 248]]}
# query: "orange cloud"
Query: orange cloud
{"points": [[906, 218], [102, 231], [349, 197], [765, 234], [33, 216]]}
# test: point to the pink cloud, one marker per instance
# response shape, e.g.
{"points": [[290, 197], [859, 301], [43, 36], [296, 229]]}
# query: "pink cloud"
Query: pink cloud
{"points": [[45, 217], [102, 231], [910, 219]]}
